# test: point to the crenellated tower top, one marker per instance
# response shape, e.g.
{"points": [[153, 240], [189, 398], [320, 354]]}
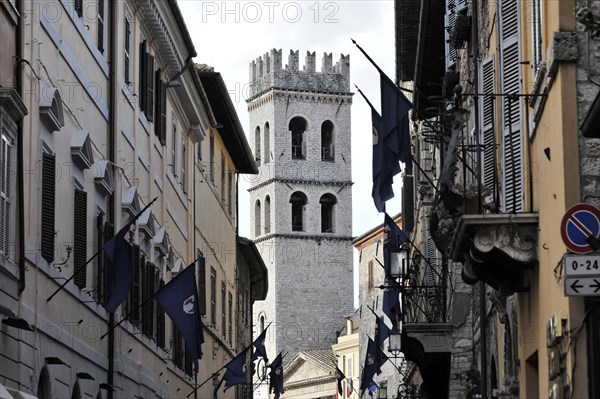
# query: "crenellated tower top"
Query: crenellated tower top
{"points": [[266, 72]]}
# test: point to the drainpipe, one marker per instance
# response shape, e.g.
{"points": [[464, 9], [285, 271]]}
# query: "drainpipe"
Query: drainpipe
{"points": [[482, 287], [111, 141], [20, 176]]}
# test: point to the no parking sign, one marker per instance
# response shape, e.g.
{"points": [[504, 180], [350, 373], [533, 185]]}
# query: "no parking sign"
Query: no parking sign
{"points": [[579, 223]]}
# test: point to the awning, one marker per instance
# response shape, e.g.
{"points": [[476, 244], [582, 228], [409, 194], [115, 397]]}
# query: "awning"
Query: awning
{"points": [[16, 394], [4, 393]]}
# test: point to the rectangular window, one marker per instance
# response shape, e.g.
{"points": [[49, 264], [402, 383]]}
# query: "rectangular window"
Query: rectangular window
{"points": [[100, 26], [174, 144], [222, 177], [127, 46], [199, 150], [80, 238], [183, 162], [6, 191], [201, 283], [229, 192], [537, 32], [160, 124], [230, 310], [349, 368], [370, 277], [47, 227], [211, 167], [104, 264], [213, 297], [223, 309]]}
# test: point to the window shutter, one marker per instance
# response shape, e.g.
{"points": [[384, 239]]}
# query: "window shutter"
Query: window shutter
{"points": [[450, 20], [488, 110], [109, 232], [100, 26], [148, 276], [143, 74], [135, 291], [47, 226], [160, 322], [127, 50], [161, 119], [150, 89], [202, 285], [79, 8], [512, 140], [80, 238], [163, 113], [5, 194]]}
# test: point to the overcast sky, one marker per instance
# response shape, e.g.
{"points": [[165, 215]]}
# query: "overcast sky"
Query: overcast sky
{"points": [[229, 34]]}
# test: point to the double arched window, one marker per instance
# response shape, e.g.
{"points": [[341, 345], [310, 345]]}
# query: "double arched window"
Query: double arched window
{"points": [[257, 212], [297, 127], [267, 139], [267, 214], [257, 144], [327, 203], [298, 201], [327, 141]]}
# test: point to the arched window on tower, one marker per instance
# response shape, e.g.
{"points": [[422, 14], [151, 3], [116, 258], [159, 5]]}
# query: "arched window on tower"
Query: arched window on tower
{"points": [[262, 324], [298, 201], [267, 139], [257, 213], [327, 141], [327, 202], [298, 127], [267, 214], [257, 144]]}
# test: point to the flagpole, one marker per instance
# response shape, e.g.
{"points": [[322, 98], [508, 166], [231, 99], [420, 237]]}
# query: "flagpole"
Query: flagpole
{"points": [[135, 310], [377, 67], [80, 268], [216, 372]]}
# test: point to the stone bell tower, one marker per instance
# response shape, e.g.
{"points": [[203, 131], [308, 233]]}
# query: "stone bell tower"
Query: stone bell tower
{"points": [[301, 200]]}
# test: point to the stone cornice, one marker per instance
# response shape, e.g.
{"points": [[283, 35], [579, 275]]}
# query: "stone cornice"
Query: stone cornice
{"points": [[341, 183], [309, 382], [303, 236], [298, 95]]}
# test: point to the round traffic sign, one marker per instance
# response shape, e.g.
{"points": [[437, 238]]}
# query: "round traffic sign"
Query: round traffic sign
{"points": [[579, 223]]}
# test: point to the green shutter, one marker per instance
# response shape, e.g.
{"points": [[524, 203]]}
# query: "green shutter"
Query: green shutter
{"points": [[80, 238], [47, 225]]}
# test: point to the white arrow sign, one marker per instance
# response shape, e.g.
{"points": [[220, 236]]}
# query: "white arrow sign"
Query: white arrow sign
{"points": [[582, 286], [582, 265]]}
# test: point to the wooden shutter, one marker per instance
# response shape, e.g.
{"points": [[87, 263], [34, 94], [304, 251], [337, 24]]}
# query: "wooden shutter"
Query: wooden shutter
{"points": [[150, 88], [160, 123], [79, 8], [47, 225], [487, 119], [135, 291], [100, 26], [109, 232], [5, 194], [202, 285], [80, 238], [512, 137], [450, 20], [148, 275], [160, 322], [143, 75], [127, 51]]}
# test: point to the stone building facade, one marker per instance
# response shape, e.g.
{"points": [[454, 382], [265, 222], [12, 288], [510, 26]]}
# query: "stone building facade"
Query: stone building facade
{"points": [[301, 202]]}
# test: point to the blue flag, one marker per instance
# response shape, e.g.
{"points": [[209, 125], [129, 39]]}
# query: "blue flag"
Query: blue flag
{"points": [[395, 125], [374, 359], [340, 377], [259, 346], [393, 239], [382, 177], [120, 254], [179, 299], [276, 376], [235, 373], [391, 303], [382, 331]]}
